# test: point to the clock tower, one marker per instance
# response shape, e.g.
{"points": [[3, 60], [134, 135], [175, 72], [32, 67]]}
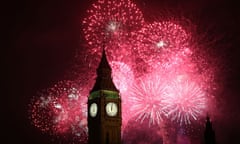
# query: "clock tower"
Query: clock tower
{"points": [[104, 108]]}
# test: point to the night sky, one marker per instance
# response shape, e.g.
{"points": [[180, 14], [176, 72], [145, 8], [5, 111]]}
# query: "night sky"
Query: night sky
{"points": [[43, 37]]}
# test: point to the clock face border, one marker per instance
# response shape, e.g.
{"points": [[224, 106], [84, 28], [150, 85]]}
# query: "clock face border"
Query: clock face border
{"points": [[111, 109], [93, 110]]}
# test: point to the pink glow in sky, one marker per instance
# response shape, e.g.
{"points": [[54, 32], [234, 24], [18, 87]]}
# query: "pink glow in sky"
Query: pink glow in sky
{"points": [[153, 65]]}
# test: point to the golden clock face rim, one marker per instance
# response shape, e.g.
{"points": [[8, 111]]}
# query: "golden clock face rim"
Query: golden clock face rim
{"points": [[109, 113], [90, 110]]}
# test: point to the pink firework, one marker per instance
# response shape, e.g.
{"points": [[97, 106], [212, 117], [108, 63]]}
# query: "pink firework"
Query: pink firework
{"points": [[146, 98], [62, 110], [185, 101], [162, 44], [160, 70], [109, 24], [122, 76]]}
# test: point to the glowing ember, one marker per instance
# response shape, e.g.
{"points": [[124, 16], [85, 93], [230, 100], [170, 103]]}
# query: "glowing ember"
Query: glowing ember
{"points": [[160, 44]]}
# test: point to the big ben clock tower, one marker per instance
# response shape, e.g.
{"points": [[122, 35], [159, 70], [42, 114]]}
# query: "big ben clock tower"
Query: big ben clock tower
{"points": [[104, 108]]}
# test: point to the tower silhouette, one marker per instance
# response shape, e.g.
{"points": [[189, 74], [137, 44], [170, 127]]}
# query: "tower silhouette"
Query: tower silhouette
{"points": [[104, 108], [209, 134]]}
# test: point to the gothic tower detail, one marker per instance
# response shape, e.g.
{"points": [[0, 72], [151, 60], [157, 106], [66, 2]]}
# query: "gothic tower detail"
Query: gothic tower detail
{"points": [[209, 134], [104, 108]]}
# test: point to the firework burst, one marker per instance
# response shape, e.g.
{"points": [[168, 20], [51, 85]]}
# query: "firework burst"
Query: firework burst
{"points": [[122, 76], [162, 44], [146, 98], [109, 24], [185, 101], [160, 69], [61, 110]]}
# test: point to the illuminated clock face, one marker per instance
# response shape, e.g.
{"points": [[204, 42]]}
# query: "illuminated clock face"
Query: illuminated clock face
{"points": [[111, 109], [93, 109]]}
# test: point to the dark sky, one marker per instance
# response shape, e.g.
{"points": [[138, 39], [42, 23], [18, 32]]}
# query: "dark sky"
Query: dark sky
{"points": [[43, 36]]}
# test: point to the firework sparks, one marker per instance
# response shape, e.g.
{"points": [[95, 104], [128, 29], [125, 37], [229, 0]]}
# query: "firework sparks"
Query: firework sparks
{"points": [[161, 44], [185, 101], [159, 72], [62, 110], [122, 76], [110, 23], [146, 99]]}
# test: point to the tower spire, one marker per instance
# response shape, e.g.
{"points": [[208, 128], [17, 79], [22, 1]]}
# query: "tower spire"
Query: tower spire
{"points": [[104, 75], [104, 108], [104, 62], [209, 133]]}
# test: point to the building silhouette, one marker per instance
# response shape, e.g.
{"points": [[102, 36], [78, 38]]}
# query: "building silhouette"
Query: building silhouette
{"points": [[104, 108], [209, 134]]}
